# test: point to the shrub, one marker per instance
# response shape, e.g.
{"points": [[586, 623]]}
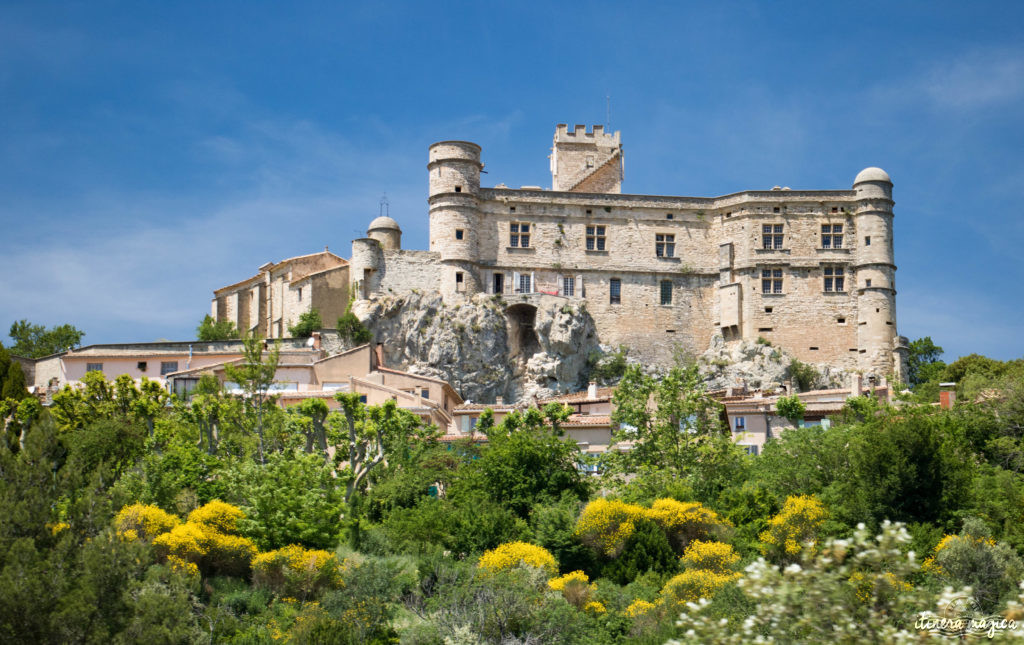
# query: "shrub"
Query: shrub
{"points": [[798, 522], [792, 408], [684, 522], [639, 608], [514, 554], [803, 375], [694, 584], [297, 572], [973, 558], [218, 516], [605, 525], [717, 557], [574, 588], [308, 323], [351, 329], [143, 522]]}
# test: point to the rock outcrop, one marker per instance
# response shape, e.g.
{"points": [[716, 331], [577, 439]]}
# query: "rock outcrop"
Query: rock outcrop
{"points": [[519, 349], [758, 366]]}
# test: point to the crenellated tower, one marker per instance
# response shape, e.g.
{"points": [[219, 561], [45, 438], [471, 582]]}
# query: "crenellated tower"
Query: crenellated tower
{"points": [[875, 269], [454, 168], [586, 162]]}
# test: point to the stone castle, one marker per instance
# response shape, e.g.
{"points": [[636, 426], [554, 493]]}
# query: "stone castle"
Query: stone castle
{"points": [[811, 271]]}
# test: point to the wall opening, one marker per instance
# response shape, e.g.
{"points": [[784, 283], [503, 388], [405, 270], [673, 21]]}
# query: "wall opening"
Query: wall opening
{"points": [[522, 339]]}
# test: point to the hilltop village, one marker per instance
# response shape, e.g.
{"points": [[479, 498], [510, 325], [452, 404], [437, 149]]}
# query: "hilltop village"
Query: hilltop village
{"points": [[528, 296]]}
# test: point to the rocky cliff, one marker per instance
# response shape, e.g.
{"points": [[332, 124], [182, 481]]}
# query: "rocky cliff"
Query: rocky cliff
{"points": [[518, 349]]}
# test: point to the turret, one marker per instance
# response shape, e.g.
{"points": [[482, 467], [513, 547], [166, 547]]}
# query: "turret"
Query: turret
{"points": [[366, 266], [875, 272], [586, 162], [386, 231], [454, 168]]}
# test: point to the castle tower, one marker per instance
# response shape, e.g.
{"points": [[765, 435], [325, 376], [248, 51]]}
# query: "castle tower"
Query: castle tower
{"points": [[875, 271], [586, 162], [366, 266], [454, 168], [386, 231]]}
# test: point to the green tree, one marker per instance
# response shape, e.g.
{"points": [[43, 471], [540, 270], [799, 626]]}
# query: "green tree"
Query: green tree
{"points": [[313, 413], [255, 375], [923, 362], [36, 341], [351, 329], [308, 323], [527, 461], [14, 383], [665, 421], [803, 375], [791, 408], [210, 329]]}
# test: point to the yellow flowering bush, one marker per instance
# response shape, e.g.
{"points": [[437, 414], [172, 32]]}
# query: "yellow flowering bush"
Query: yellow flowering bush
{"points": [[217, 515], [184, 566], [691, 585], [606, 524], [202, 542], [297, 572], [712, 556], [143, 522], [798, 522], [574, 587], [639, 608], [877, 587], [684, 522], [594, 607], [513, 554]]}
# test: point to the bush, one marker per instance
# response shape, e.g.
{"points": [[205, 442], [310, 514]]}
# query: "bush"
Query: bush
{"points": [[791, 408], [217, 516], [798, 522], [804, 376], [143, 522], [687, 521], [196, 546], [514, 554], [297, 572], [308, 323], [717, 557], [351, 329], [694, 584], [606, 524]]}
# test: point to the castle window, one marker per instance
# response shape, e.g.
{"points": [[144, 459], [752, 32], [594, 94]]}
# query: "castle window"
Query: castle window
{"points": [[300, 294], [771, 236], [166, 367], [740, 424], [669, 216], [525, 283], [867, 283], [595, 238], [94, 367], [425, 393], [771, 280], [458, 233], [666, 292], [831, 236], [499, 283], [664, 245], [568, 286], [460, 285], [519, 235], [835, 280], [776, 209], [835, 209], [458, 189], [615, 291], [511, 209], [768, 310], [867, 240]]}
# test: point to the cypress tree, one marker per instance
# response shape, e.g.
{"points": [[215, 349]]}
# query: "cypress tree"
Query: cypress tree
{"points": [[14, 384]]}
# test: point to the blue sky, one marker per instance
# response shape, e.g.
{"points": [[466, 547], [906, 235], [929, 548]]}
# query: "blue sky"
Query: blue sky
{"points": [[151, 152]]}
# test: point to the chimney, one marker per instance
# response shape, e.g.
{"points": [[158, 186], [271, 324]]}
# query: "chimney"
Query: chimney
{"points": [[592, 390], [947, 395], [499, 400], [856, 384]]}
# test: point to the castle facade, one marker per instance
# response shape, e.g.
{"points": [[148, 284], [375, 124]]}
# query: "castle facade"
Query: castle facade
{"points": [[811, 271]]}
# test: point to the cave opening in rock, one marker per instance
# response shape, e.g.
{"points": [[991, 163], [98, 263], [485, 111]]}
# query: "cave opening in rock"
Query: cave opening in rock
{"points": [[522, 339]]}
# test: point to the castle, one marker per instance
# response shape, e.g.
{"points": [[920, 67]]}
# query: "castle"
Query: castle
{"points": [[811, 271]]}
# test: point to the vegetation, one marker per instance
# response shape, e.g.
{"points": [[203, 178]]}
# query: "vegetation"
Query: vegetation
{"points": [[791, 408], [36, 341], [308, 323], [804, 376], [351, 329], [210, 329], [131, 515]]}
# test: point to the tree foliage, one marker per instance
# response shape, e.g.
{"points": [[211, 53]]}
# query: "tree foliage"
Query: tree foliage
{"points": [[210, 329], [351, 329], [35, 341], [308, 322], [791, 408]]}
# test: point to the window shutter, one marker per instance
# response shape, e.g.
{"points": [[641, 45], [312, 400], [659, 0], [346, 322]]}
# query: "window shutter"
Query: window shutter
{"points": [[578, 287], [533, 285], [560, 285], [515, 282], [489, 281]]}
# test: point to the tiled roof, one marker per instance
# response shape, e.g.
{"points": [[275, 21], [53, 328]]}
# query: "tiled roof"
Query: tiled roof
{"points": [[603, 394], [588, 420], [472, 407]]}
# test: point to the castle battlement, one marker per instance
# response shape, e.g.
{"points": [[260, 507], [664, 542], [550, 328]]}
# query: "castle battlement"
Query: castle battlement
{"points": [[580, 134]]}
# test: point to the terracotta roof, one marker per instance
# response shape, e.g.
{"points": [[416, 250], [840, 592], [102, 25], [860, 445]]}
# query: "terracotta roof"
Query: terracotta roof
{"points": [[588, 420], [603, 394], [451, 438], [472, 407]]}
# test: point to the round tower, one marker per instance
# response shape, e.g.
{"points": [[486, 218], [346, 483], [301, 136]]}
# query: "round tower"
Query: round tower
{"points": [[386, 231], [875, 272], [454, 169], [366, 267]]}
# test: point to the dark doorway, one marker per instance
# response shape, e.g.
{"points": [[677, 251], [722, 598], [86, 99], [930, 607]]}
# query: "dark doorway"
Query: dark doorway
{"points": [[499, 283]]}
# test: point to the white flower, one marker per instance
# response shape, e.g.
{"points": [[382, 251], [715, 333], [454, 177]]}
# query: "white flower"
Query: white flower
{"points": [[793, 568]]}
